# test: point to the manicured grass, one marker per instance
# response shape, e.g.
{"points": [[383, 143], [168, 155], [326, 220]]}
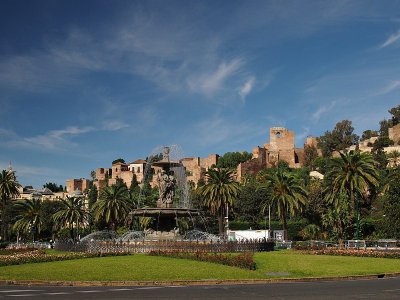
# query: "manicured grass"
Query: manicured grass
{"points": [[133, 267], [143, 267], [305, 265]]}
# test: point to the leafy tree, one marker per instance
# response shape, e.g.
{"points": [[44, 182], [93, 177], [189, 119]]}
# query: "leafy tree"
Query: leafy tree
{"points": [[48, 209], [340, 138], [315, 205], [72, 212], [8, 190], [220, 193], [384, 127], [233, 159], [29, 217], [390, 224], [53, 187], [382, 142], [92, 194], [310, 155], [353, 174], [134, 188], [337, 220], [154, 158], [118, 160], [113, 205], [367, 134], [287, 194], [249, 204], [395, 112]]}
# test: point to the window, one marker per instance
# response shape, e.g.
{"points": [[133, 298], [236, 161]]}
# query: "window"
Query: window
{"points": [[278, 134]]}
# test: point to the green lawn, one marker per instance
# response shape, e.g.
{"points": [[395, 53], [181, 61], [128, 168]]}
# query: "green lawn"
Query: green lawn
{"points": [[143, 267]]}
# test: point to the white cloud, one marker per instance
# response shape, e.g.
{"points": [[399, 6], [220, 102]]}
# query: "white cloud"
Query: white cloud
{"points": [[210, 83], [57, 138], [114, 125], [391, 39], [247, 88], [218, 130], [391, 86], [323, 109]]}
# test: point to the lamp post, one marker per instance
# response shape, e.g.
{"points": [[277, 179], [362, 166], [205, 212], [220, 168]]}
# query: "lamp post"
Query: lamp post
{"points": [[226, 222]]}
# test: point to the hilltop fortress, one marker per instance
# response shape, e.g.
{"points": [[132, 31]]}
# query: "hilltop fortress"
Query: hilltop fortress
{"points": [[281, 147]]}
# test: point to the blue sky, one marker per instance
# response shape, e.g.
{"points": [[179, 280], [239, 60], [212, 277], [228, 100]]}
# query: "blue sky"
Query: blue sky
{"points": [[85, 82]]}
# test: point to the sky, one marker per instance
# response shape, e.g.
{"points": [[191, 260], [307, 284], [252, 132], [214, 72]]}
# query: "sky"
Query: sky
{"points": [[85, 82]]}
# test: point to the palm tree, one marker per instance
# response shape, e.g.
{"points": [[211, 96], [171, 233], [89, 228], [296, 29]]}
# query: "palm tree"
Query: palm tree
{"points": [[353, 174], [8, 189], [29, 219], [73, 211], [287, 194], [219, 193], [113, 204]]}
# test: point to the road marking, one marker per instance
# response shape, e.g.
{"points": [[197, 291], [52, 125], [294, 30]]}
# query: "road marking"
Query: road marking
{"points": [[150, 288], [119, 290], [394, 290], [57, 293], [92, 291], [22, 295], [20, 291]]}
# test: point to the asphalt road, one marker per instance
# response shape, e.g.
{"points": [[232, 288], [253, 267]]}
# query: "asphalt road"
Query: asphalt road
{"points": [[386, 288]]}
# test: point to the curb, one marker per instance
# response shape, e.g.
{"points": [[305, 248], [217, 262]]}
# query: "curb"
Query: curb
{"points": [[192, 282]]}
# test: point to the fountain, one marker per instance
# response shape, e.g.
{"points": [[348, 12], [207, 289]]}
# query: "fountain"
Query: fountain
{"points": [[170, 179]]}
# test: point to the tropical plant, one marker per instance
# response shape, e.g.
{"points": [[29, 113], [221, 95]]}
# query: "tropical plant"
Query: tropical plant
{"points": [[72, 212], [29, 216], [287, 194], [220, 193], [113, 205], [337, 220], [353, 174], [8, 190]]}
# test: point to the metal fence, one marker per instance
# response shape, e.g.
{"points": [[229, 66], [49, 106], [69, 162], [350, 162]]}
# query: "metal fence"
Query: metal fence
{"points": [[382, 244], [261, 245]]}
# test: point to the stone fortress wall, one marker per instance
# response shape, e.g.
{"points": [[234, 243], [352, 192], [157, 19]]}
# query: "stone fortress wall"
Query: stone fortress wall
{"points": [[281, 146]]}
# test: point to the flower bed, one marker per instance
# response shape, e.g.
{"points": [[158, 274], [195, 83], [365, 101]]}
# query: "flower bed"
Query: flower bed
{"points": [[35, 256], [243, 260], [354, 252]]}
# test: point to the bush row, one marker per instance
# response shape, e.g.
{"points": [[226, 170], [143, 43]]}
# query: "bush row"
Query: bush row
{"points": [[354, 252], [36, 256], [243, 260]]}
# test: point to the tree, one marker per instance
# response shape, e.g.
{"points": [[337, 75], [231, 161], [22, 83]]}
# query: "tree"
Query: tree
{"points": [[367, 134], [310, 155], [53, 187], [395, 112], [287, 194], [134, 188], [384, 127], [29, 216], [118, 160], [249, 204], [337, 220], [315, 206], [8, 190], [340, 138], [233, 159], [72, 212], [353, 174], [390, 223], [113, 205], [219, 193], [92, 194]]}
